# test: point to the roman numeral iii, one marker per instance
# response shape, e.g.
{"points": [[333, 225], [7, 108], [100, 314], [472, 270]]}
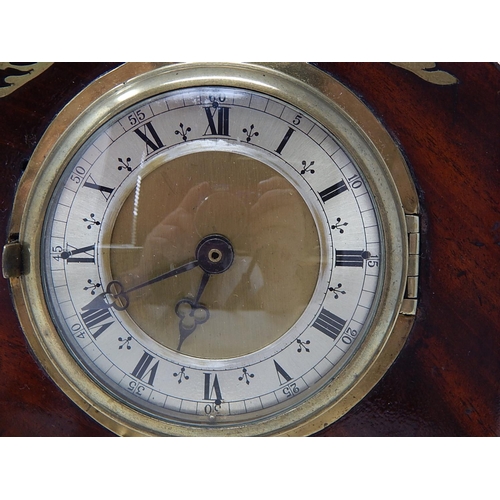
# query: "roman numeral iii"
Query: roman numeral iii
{"points": [[350, 258]]}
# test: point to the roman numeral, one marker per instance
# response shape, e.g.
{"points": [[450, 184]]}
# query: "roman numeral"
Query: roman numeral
{"points": [[87, 257], [143, 369], [211, 388], [285, 139], [222, 127], [94, 318], [332, 191], [349, 258], [105, 191], [149, 135], [329, 324], [283, 376]]}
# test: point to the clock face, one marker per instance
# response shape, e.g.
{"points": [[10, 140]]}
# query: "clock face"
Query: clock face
{"points": [[214, 258]]}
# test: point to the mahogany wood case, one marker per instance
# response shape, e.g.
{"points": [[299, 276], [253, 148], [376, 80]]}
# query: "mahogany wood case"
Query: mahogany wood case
{"points": [[446, 380]]}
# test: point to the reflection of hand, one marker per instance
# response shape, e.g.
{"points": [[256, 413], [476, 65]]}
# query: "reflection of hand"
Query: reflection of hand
{"points": [[277, 237], [175, 238], [275, 210]]}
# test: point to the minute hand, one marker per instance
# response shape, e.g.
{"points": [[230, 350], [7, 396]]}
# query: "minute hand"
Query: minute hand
{"points": [[164, 276], [116, 291]]}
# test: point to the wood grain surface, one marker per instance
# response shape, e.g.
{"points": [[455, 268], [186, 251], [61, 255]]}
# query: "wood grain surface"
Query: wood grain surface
{"points": [[446, 381]]}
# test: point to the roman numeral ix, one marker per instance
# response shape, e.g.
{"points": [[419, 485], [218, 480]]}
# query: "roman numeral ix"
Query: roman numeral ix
{"points": [[79, 255]]}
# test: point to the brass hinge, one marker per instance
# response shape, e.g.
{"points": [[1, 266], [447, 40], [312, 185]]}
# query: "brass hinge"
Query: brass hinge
{"points": [[12, 259], [409, 305]]}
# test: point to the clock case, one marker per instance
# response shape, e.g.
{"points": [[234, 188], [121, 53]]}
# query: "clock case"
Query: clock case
{"points": [[88, 424]]}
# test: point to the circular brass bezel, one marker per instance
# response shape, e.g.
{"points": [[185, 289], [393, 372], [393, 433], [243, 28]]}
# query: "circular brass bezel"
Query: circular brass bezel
{"points": [[304, 87]]}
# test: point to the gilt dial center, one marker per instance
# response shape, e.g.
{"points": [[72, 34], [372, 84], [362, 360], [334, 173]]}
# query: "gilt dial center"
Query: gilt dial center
{"points": [[250, 236]]}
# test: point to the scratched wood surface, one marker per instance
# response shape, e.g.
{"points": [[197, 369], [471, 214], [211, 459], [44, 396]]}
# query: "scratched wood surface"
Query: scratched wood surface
{"points": [[446, 381]]}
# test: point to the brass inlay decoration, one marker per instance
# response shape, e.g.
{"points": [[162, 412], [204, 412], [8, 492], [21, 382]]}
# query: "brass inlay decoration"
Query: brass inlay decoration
{"points": [[15, 74], [427, 71]]}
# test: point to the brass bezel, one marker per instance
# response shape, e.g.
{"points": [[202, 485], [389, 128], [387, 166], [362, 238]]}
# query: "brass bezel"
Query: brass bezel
{"points": [[305, 87]]}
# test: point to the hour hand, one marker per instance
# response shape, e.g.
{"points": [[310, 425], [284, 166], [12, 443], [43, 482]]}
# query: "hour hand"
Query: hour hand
{"points": [[191, 313], [190, 316], [214, 255]]}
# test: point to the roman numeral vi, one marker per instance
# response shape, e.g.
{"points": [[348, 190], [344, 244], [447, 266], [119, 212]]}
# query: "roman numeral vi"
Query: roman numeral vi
{"points": [[212, 388]]}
